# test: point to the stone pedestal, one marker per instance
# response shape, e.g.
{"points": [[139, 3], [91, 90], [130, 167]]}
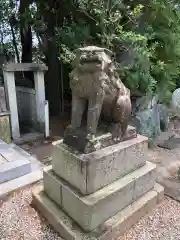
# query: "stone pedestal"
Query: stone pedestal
{"points": [[98, 195]]}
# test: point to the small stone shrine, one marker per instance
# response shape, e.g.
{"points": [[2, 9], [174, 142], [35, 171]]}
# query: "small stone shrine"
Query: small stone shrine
{"points": [[100, 182]]}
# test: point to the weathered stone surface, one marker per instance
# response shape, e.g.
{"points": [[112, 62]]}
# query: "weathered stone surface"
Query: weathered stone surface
{"points": [[10, 88], [78, 138], [90, 172], [3, 105], [92, 210], [170, 143], [164, 117], [51, 186], [5, 131], [150, 118], [16, 67], [109, 230], [94, 80], [169, 178], [148, 122]]}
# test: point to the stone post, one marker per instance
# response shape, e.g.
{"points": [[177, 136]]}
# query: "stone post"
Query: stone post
{"points": [[9, 82], [40, 99]]}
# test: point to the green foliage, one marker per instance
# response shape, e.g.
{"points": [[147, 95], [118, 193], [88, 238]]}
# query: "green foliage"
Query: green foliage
{"points": [[145, 37], [148, 36], [70, 38], [8, 13], [162, 24]]}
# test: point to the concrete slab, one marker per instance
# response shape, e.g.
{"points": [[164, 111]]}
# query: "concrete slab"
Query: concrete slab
{"points": [[109, 230], [11, 155], [35, 163], [14, 169], [13, 163], [92, 210], [90, 172], [20, 182], [18, 170]]}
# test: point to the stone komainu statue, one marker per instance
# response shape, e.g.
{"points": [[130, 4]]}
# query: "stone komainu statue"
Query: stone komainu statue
{"points": [[94, 80]]}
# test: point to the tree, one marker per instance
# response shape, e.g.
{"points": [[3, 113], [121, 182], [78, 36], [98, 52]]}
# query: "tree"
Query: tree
{"points": [[53, 14], [8, 32], [25, 30], [144, 35]]}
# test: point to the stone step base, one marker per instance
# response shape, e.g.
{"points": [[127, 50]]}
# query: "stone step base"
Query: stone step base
{"points": [[89, 211], [91, 172], [110, 230], [12, 163], [15, 169]]}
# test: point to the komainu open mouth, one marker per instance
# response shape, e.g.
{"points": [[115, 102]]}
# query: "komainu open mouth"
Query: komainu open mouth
{"points": [[93, 59]]}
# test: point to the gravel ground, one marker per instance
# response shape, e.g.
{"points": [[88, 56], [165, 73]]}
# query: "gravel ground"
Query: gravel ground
{"points": [[163, 223], [20, 221]]}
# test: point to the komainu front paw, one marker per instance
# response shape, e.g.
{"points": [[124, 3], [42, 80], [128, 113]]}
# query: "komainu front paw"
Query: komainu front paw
{"points": [[90, 136], [117, 132]]}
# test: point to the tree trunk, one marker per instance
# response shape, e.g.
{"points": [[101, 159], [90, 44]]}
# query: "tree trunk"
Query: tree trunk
{"points": [[25, 31], [14, 40], [53, 75], [53, 14]]}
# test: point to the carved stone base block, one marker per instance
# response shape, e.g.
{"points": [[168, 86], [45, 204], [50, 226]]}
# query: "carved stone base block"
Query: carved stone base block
{"points": [[90, 172], [77, 139]]}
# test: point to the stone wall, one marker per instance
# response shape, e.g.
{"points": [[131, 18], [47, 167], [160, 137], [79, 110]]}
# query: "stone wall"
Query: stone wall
{"points": [[26, 101]]}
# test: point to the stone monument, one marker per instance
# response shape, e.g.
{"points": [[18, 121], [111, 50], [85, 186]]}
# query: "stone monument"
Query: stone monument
{"points": [[100, 182]]}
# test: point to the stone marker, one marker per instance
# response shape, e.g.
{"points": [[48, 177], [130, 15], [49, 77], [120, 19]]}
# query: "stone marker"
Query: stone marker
{"points": [[100, 182], [5, 131], [3, 105]]}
